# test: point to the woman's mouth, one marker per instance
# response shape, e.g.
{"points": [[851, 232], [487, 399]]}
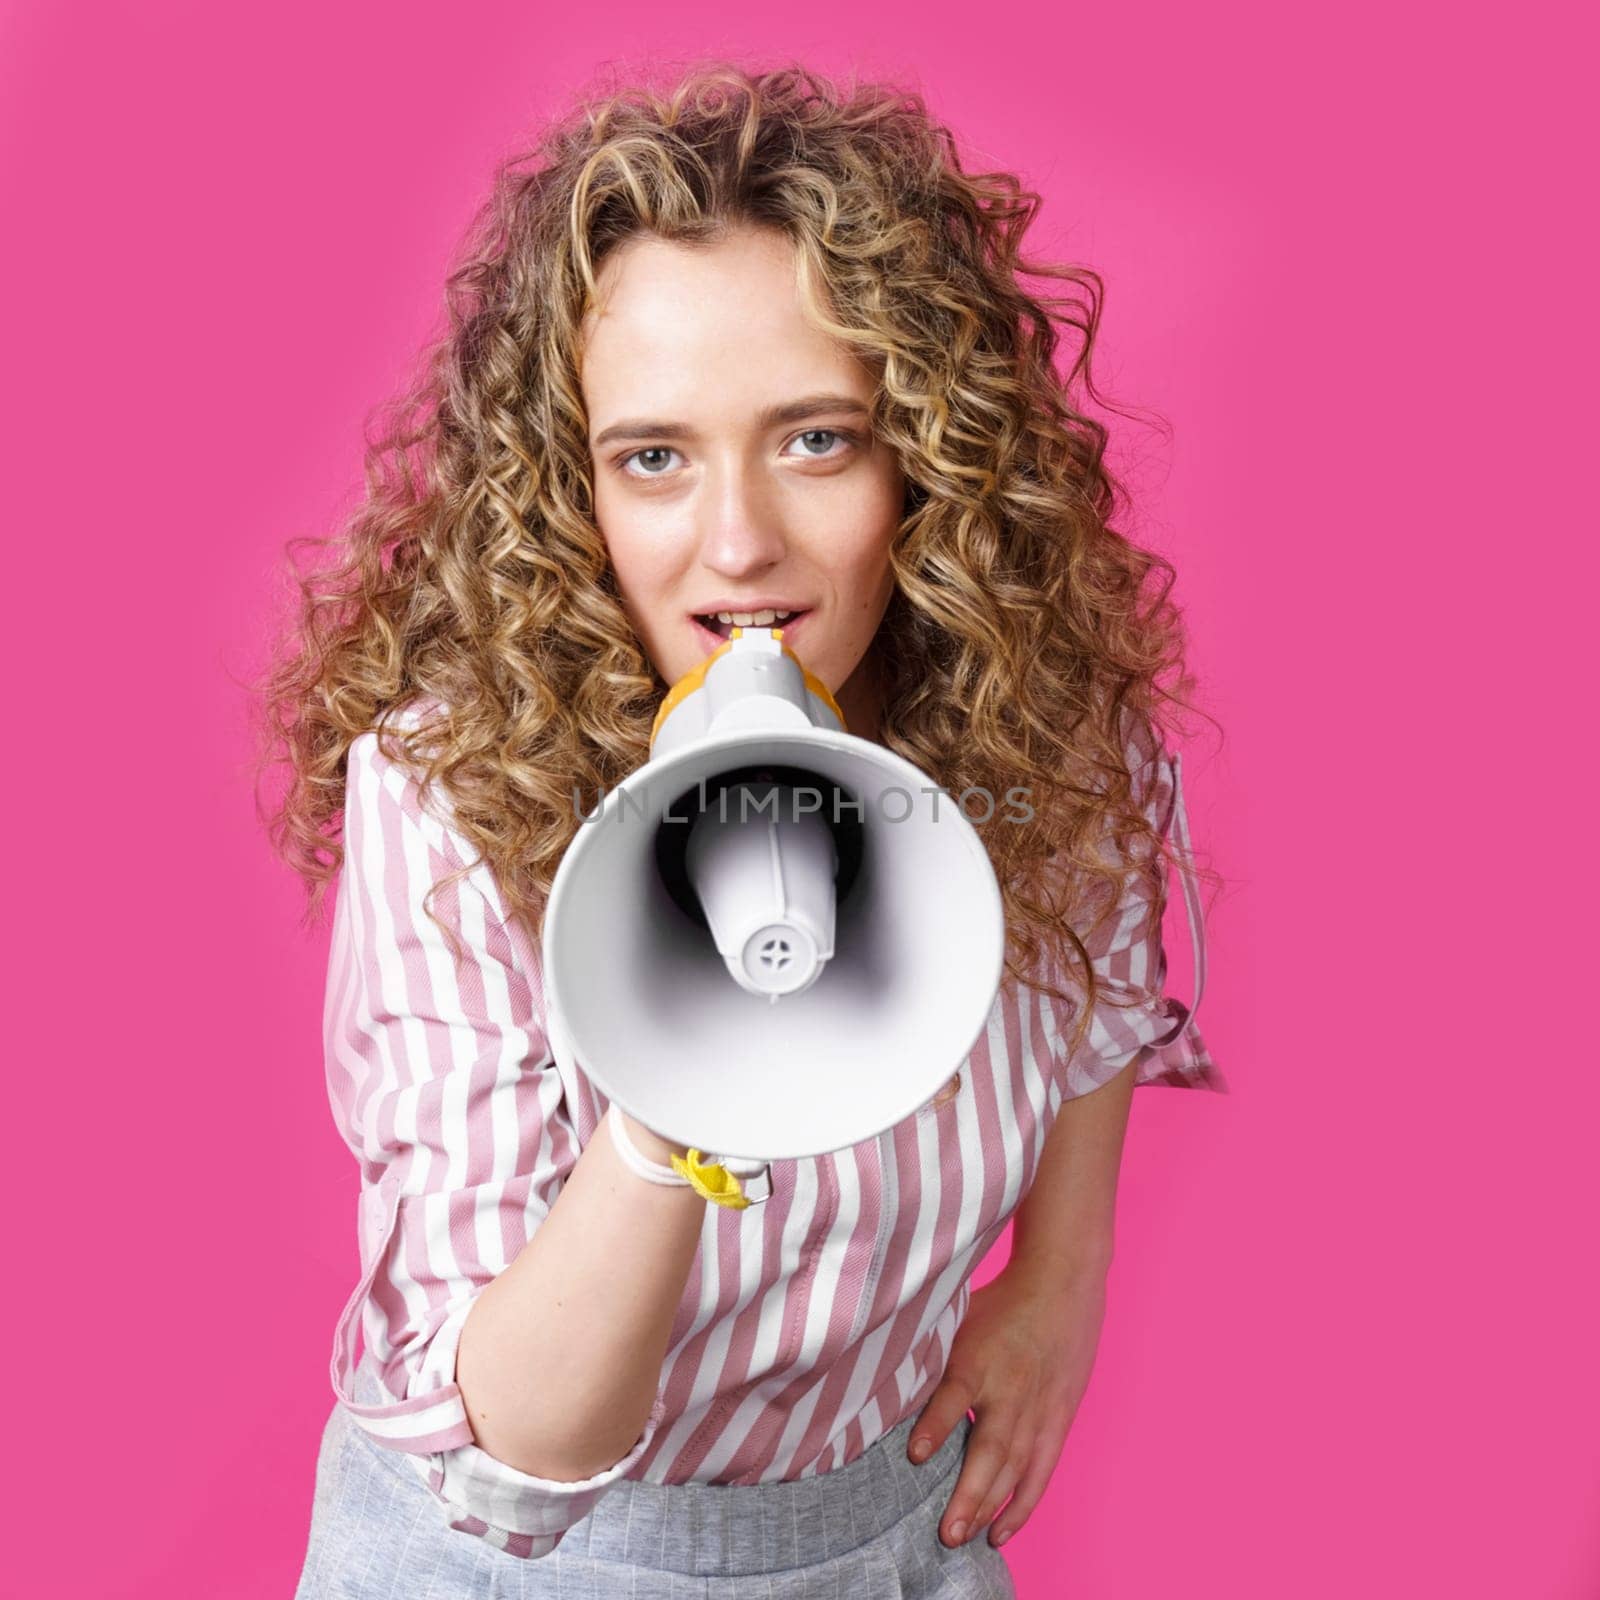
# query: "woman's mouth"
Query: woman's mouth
{"points": [[713, 631]]}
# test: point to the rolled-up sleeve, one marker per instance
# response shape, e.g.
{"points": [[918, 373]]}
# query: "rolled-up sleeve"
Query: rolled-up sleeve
{"points": [[1133, 1016], [443, 1085]]}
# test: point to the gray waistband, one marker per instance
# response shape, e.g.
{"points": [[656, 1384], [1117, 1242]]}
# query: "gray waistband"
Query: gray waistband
{"points": [[711, 1529], [706, 1529]]}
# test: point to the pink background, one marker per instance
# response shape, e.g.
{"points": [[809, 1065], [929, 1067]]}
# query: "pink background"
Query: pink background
{"points": [[1352, 1331]]}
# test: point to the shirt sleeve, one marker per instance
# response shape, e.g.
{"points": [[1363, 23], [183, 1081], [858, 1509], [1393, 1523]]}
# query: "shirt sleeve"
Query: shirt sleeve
{"points": [[1133, 1016], [443, 1085]]}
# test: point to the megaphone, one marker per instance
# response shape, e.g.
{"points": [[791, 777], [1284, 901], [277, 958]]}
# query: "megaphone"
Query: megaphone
{"points": [[774, 939]]}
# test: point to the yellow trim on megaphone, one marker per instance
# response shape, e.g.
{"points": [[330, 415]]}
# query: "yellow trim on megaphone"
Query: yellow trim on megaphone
{"points": [[695, 677], [684, 687]]}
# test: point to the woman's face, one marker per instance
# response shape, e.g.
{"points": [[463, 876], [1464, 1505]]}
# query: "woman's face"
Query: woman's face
{"points": [[733, 466]]}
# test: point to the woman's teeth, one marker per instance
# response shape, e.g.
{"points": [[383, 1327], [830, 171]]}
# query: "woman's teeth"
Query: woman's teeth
{"points": [[754, 619], [748, 619]]}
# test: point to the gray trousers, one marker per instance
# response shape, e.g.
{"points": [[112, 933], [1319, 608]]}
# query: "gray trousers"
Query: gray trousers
{"points": [[868, 1530]]}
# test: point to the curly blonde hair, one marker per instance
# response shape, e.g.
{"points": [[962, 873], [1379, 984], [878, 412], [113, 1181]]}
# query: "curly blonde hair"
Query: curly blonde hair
{"points": [[1025, 642]]}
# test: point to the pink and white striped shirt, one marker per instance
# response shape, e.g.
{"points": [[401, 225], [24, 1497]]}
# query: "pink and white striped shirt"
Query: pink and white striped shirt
{"points": [[810, 1324]]}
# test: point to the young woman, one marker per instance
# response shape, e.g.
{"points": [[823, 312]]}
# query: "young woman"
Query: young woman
{"points": [[755, 344]]}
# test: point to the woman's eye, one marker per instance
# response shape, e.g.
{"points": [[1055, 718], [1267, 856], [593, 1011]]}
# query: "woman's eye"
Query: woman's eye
{"points": [[650, 450], [825, 433]]}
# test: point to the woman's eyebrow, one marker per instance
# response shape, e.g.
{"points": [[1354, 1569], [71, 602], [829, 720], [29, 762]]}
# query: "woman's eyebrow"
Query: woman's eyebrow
{"points": [[790, 411]]}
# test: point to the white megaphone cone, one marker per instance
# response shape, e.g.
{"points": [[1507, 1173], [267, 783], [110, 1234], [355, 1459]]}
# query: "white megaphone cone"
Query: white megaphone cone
{"points": [[774, 939]]}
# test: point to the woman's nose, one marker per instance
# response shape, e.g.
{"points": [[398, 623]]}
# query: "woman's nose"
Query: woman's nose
{"points": [[742, 533]]}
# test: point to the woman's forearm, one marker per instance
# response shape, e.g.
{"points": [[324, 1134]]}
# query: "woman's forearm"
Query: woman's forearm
{"points": [[1067, 1220], [560, 1356]]}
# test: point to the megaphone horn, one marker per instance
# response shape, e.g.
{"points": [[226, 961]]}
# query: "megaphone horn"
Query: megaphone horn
{"points": [[774, 939]]}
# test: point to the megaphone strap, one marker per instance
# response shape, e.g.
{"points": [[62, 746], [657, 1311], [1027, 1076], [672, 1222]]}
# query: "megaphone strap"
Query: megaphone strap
{"points": [[635, 1159], [711, 1179]]}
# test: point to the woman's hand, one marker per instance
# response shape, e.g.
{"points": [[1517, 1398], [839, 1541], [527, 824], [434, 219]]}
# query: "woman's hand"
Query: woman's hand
{"points": [[1021, 1362]]}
